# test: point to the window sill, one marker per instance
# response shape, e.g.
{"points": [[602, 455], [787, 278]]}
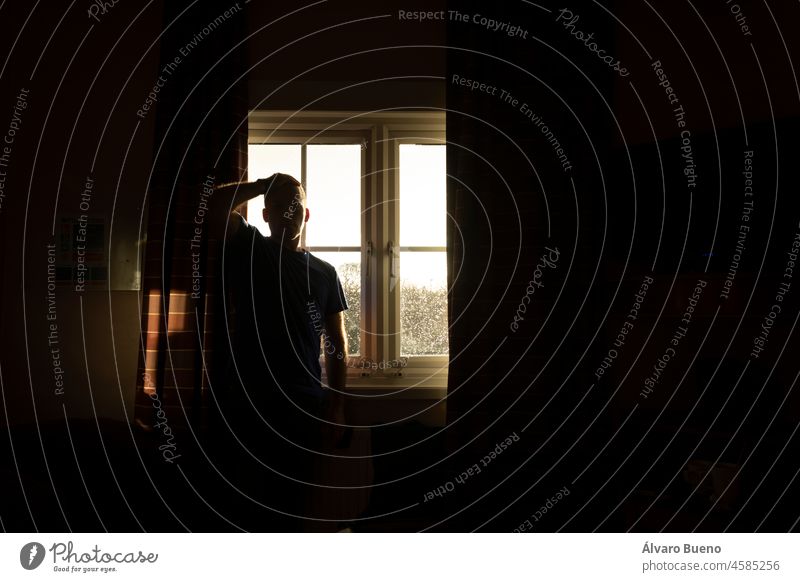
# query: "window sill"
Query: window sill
{"points": [[420, 378], [405, 387], [400, 387], [386, 400]]}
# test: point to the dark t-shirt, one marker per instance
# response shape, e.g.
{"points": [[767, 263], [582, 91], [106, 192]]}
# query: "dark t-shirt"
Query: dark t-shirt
{"points": [[279, 300]]}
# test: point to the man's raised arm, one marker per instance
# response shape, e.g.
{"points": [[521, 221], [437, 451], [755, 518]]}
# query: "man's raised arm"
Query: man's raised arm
{"points": [[224, 203]]}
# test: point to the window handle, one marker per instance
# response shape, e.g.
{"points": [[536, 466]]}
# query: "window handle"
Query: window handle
{"points": [[394, 268], [369, 257]]}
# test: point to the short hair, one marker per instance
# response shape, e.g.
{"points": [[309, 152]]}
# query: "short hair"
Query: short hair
{"points": [[278, 183]]}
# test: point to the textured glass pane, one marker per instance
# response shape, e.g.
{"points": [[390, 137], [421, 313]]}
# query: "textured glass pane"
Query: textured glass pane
{"points": [[348, 267], [423, 211], [333, 178], [423, 303], [262, 162]]}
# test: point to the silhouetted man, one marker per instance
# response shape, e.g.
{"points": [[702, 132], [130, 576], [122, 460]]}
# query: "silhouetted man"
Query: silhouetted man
{"points": [[285, 305]]}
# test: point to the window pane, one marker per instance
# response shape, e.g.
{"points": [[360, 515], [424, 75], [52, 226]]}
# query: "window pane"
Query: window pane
{"points": [[333, 177], [423, 209], [348, 266], [262, 162], [423, 303]]}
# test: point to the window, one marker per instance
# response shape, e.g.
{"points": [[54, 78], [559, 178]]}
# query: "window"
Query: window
{"points": [[423, 276], [376, 194]]}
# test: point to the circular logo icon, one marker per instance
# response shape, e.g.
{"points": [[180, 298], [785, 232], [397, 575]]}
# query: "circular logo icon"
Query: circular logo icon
{"points": [[31, 555]]}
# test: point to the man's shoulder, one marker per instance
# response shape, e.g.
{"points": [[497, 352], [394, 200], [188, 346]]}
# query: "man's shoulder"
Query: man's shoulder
{"points": [[238, 228], [241, 244], [321, 265]]}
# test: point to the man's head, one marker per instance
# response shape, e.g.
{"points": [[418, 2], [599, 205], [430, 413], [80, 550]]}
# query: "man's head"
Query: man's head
{"points": [[285, 207]]}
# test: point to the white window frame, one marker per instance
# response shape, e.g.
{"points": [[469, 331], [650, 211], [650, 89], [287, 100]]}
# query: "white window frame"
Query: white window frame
{"points": [[380, 134]]}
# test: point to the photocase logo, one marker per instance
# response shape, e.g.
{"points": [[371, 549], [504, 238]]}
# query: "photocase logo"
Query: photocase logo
{"points": [[31, 555]]}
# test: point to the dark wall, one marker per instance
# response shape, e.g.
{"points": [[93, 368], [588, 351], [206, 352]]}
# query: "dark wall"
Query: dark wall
{"points": [[341, 55], [625, 213], [85, 79]]}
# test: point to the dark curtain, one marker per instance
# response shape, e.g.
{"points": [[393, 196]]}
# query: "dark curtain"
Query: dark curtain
{"points": [[509, 198], [201, 140]]}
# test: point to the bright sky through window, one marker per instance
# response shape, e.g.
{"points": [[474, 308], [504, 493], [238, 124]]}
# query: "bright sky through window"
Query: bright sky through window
{"points": [[423, 212]]}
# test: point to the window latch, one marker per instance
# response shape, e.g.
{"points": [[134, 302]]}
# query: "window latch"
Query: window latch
{"points": [[394, 268], [369, 257]]}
